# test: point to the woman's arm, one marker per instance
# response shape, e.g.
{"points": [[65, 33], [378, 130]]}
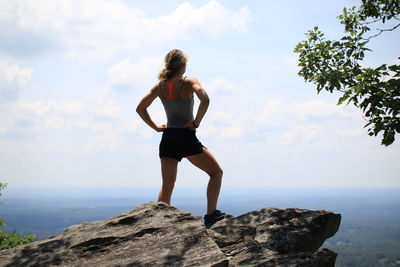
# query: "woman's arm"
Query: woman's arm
{"points": [[204, 101], [142, 109]]}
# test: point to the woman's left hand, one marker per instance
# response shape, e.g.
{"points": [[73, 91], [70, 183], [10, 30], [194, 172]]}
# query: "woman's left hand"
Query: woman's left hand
{"points": [[190, 126]]}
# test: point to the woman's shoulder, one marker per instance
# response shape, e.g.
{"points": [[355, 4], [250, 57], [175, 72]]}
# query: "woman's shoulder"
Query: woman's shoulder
{"points": [[156, 85], [191, 80], [155, 89]]}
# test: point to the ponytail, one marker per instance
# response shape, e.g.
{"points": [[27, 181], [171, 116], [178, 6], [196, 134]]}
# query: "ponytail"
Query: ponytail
{"points": [[174, 61]]}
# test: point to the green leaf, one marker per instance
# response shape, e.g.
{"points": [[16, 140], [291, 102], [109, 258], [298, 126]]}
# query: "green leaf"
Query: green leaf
{"points": [[394, 67], [388, 137], [342, 99]]}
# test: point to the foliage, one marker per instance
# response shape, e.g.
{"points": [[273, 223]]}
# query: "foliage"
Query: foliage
{"points": [[2, 186], [10, 240], [336, 66]]}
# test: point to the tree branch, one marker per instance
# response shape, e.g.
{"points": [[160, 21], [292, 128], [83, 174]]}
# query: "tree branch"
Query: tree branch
{"points": [[383, 30], [370, 22]]}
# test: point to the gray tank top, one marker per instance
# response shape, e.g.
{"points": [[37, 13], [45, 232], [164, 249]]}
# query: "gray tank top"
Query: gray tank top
{"points": [[179, 111]]}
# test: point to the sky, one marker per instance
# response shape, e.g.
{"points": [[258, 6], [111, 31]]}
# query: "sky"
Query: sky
{"points": [[72, 73]]}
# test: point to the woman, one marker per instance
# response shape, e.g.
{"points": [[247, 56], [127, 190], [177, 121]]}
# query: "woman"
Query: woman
{"points": [[179, 135]]}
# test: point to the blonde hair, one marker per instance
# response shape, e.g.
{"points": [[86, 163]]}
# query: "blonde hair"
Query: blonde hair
{"points": [[174, 61]]}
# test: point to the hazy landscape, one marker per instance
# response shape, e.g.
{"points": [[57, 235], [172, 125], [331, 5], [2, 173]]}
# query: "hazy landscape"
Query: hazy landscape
{"points": [[369, 234]]}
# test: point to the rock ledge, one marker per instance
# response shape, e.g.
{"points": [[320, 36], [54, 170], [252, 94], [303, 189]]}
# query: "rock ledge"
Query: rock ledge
{"points": [[158, 234]]}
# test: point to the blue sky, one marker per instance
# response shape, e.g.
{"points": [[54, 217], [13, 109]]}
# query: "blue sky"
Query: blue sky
{"points": [[72, 73]]}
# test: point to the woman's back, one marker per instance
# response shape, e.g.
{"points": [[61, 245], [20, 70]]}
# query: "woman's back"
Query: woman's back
{"points": [[178, 88], [177, 102]]}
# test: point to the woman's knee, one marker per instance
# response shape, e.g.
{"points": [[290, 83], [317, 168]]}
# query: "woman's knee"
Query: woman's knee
{"points": [[216, 173]]}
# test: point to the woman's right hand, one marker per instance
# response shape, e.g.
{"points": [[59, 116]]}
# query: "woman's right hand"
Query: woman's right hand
{"points": [[161, 128]]}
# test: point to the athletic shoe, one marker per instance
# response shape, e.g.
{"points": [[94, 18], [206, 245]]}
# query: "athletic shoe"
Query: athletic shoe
{"points": [[214, 217]]}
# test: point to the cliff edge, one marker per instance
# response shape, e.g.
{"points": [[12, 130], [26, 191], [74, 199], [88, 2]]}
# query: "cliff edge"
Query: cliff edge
{"points": [[158, 234]]}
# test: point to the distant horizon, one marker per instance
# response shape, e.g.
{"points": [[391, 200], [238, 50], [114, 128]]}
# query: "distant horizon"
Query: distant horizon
{"points": [[58, 191]]}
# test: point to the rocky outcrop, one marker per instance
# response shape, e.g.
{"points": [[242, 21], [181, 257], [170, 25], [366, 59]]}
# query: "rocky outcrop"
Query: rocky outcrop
{"points": [[158, 234], [276, 237]]}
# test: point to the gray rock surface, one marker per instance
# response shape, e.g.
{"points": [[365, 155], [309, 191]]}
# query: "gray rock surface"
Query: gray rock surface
{"points": [[277, 237], [158, 234], [153, 234]]}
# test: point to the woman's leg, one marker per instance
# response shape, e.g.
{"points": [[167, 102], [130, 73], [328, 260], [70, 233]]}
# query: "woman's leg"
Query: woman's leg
{"points": [[207, 162], [169, 167]]}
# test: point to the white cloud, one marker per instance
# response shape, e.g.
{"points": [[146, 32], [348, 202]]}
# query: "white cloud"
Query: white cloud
{"points": [[136, 74], [286, 65], [97, 121], [72, 107], [13, 79], [271, 114], [211, 18], [277, 112], [223, 85], [41, 116], [219, 84], [109, 142], [310, 124], [223, 126], [104, 108], [96, 107], [313, 124], [317, 108], [301, 134], [99, 29]]}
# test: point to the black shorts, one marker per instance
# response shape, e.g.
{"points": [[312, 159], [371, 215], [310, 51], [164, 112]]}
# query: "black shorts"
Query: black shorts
{"points": [[178, 143]]}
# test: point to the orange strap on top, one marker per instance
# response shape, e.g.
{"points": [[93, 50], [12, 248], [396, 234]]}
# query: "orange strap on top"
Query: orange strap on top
{"points": [[170, 86]]}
